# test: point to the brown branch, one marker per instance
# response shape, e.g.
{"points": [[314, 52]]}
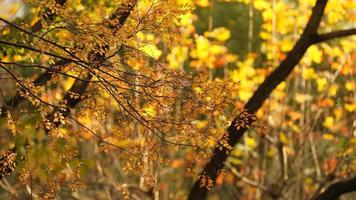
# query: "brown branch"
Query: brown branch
{"points": [[43, 78], [53, 70], [39, 81], [39, 37], [71, 99], [122, 13], [335, 190], [24, 88], [333, 35], [216, 163], [74, 95], [20, 45]]}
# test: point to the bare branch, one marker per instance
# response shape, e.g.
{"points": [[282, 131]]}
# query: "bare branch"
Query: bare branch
{"points": [[39, 37], [333, 35], [35, 50]]}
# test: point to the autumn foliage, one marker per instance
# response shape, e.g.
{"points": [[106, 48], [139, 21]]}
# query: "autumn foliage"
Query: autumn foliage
{"points": [[176, 99]]}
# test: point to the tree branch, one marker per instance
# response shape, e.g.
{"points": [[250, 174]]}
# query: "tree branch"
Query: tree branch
{"points": [[335, 190], [216, 163], [121, 14], [333, 35], [39, 81], [43, 78], [70, 99], [20, 45]]}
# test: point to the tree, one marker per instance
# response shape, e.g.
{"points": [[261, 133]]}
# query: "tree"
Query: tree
{"points": [[240, 124], [76, 54], [126, 98]]}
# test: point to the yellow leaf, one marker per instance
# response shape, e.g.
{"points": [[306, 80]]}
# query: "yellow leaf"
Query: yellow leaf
{"points": [[328, 122], [202, 48], [221, 34], [5, 31], [321, 84], [267, 14], [308, 73], [244, 95], [147, 37], [207, 99], [123, 143], [260, 4], [287, 45], [17, 58], [301, 98], [69, 82], [217, 49], [198, 90], [211, 143], [334, 17], [350, 107], [238, 152], [265, 35], [186, 19], [202, 3], [338, 113], [283, 138], [260, 113], [294, 127], [63, 34], [63, 132], [333, 90], [235, 76], [249, 141], [79, 7], [282, 86], [308, 180], [177, 57], [349, 85], [34, 20], [272, 151], [151, 50], [328, 136], [235, 161], [200, 123], [149, 111], [315, 54]]}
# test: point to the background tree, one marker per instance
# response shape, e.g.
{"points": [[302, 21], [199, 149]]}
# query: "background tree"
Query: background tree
{"points": [[243, 120]]}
